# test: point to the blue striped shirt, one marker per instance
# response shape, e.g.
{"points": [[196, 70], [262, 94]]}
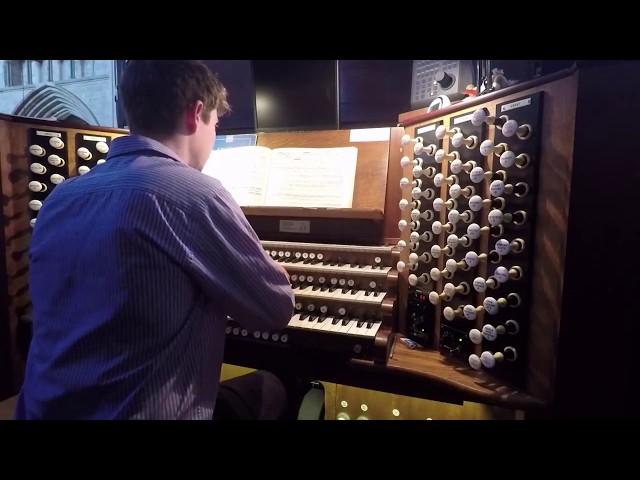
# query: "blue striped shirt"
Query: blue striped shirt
{"points": [[133, 270]]}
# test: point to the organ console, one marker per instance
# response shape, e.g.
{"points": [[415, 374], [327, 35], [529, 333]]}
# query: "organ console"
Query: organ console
{"points": [[466, 258]]}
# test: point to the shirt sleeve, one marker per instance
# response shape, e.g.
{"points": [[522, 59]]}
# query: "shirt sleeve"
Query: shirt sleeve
{"points": [[229, 264]]}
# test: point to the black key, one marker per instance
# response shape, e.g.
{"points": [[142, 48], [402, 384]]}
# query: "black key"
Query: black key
{"points": [[345, 321], [312, 318], [322, 318], [335, 320], [354, 291], [304, 316], [367, 293], [359, 323]]}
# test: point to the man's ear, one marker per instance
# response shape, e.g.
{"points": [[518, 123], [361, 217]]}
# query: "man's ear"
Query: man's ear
{"points": [[193, 115]]}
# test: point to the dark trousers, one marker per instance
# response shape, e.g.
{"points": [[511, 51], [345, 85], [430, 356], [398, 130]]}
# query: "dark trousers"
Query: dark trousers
{"points": [[258, 395]]}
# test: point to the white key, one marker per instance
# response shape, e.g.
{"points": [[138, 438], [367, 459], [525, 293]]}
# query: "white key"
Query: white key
{"points": [[295, 321], [361, 331], [310, 324], [347, 327], [334, 327], [364, 331], [317, 325], [326, 325]]}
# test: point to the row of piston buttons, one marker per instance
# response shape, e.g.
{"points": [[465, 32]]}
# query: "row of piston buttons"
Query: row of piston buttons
{"points": [[243, 332], [322, 283], [298, 256]]}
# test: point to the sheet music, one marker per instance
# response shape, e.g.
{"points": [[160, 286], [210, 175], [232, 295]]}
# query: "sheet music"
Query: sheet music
{"points": [[243, 171], [312, 177]]}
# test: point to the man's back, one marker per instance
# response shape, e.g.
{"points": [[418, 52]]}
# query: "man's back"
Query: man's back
{"points": [[134, 268]]}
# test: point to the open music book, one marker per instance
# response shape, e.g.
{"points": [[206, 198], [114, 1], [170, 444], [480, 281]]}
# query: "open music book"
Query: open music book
{"points": [[286, 177]]}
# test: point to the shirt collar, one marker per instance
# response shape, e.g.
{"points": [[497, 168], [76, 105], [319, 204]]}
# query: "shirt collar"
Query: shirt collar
{"points": [[134, 143]]}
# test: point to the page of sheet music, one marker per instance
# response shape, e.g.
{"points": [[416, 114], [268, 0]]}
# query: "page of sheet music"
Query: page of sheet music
{"points": [[312, 177], [243, 171]]}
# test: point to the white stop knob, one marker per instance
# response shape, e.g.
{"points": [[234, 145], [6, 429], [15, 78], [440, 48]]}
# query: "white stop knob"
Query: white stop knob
{"points": [[495, 217], [477, 175], [102, 147], [479, 117], [469, 312], [486, 147], [503, 247], [449, 289], [496, 188], [453, 240], [479, 284], [37, 150], [473, 231], [475, 203], [456, 166], [490, 305], [488, 360], [475, 336], [455, 191], [489, 332], [507, 159], [449, 313], [509, 128], [56, 179], [434, 298], [458, 139], [55, 160], [474, 362], [56, 143], [451, 265], [501, 274], [84, 153], [434, 273], [471, 258]]}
